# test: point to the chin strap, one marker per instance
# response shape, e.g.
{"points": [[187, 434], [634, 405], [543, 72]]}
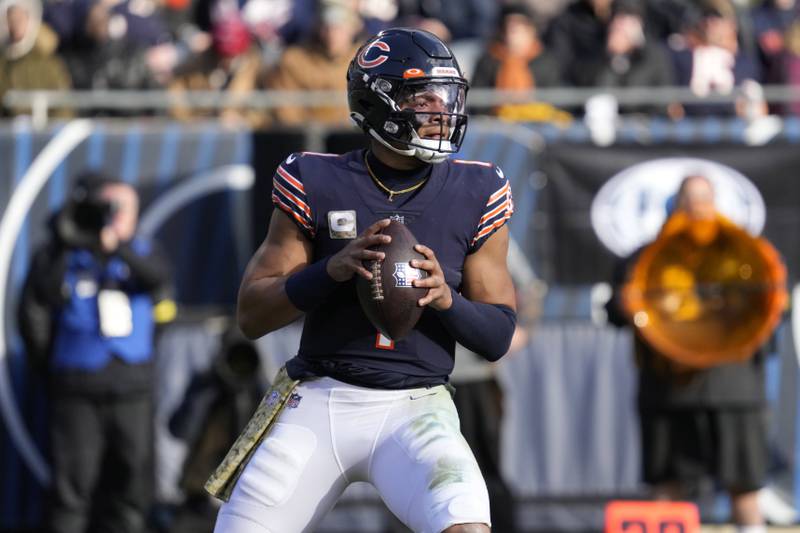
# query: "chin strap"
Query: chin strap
{"points": [[426, 155], [431, 153], [410, 152]]}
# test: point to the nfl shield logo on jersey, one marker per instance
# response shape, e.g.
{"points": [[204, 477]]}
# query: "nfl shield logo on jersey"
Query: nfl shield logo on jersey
{"points": [[404, 274], [294, 400]]}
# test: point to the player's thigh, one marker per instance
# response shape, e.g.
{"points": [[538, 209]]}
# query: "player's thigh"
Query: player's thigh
{"points": [[291, 480], [427, 474]]}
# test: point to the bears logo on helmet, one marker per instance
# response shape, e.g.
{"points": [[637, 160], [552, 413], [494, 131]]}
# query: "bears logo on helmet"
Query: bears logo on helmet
{"points": [[363, 62]]}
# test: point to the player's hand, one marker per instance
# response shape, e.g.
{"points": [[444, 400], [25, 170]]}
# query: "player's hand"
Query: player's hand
{"points": [[350, 259], [439, 296]]}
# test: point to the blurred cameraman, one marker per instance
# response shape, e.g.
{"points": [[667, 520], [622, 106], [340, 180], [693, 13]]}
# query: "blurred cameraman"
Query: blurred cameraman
{"points": [[87, 319]]}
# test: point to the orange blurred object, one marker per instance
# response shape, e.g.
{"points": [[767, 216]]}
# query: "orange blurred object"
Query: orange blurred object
{"points": [[177, 5], [705, 293], [651, 517]]}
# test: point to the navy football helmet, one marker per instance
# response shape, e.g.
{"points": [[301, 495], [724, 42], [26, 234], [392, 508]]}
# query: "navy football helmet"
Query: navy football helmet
{"points": [[406, 90]]}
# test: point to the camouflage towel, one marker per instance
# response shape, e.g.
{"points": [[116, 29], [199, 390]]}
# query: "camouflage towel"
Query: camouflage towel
{"points": [[222, 481]]}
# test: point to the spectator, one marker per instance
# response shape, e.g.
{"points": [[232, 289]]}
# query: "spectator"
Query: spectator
{"points": [[180, 19], [465, 20], [112, 50], [713, 62], [319, 64], [434, 26], [771, 22], [516, 60], [577, 37], [232, 64], [698, 423], [86, 316], [632, 59], [265, 20], [300, 26], [65, 17], [792, 61], [666, 19], [376, 15], [28, 59], [546, 10]]}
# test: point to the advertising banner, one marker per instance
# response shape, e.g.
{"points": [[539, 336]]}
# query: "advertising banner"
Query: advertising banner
{"points": [[600, 203]]}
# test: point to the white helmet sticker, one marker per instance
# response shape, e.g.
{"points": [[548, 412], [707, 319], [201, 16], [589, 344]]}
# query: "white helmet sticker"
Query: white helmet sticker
{"points": [[445, 71]]}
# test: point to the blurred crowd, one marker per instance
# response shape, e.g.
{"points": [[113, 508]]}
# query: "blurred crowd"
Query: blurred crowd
{"points": [[238, 46]]}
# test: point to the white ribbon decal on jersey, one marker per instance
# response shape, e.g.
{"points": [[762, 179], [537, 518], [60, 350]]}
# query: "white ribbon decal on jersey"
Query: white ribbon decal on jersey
{"points": [[363, 62]]}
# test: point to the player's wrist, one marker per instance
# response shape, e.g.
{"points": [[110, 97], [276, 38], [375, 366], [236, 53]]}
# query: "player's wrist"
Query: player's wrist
{"points": [[485, 329], [307, 288], [445, 302], [457, 302], [335, 270]]}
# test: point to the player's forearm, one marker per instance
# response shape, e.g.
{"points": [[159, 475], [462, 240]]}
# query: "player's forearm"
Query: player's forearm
{"points": [[264, 307], [485, 329]]}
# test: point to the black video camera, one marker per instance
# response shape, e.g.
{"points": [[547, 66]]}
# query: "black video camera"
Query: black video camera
{"points": [[92, 214], [85, 213]]}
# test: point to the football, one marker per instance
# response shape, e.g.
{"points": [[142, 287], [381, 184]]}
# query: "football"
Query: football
{"points": [[389, 299]]}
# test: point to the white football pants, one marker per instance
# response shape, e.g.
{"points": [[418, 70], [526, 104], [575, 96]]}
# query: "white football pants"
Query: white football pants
{"points": [[405, 442]]}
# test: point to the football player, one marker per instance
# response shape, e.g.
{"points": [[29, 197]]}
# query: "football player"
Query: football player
{"points": [[353, 405]]}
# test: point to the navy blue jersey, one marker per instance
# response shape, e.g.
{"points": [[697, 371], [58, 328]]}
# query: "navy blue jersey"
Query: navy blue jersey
{"points": [[332, 199]]}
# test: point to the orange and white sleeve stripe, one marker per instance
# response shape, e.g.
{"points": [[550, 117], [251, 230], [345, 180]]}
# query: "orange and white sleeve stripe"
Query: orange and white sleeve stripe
{"points": [[498, 210], [289, 195]]}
